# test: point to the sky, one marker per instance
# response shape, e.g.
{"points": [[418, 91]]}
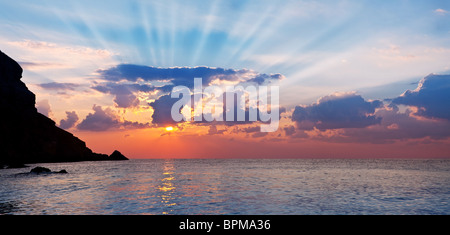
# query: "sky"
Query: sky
{"points": [[356, 78]]}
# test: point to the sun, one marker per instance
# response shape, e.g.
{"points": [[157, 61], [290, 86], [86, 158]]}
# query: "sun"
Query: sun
{"points": [[169, 128]]}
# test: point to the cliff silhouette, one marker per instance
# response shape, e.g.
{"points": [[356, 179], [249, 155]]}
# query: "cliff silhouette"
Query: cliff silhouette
{"points": [[27, 136]]}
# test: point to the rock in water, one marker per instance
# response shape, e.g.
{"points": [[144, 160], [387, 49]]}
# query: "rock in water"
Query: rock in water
{"points": [[117, 156], [27, 136], [40, 169]]}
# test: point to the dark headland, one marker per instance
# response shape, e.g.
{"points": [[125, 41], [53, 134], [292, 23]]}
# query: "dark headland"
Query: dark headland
{"points": [[27, 136]]}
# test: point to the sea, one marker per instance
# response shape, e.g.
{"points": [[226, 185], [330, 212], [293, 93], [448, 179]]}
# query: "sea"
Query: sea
{"points": [[230, 187]]}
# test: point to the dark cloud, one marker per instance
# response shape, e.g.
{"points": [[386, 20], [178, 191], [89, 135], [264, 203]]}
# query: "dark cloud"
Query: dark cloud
{"points": [[59, 86], [164, 79], [260, 79], [404, 125], [432, 97], [70, 121], [135, 125], [126, 100], [124, 94], [106, 119], [289, 130], [162, 109], [253, 131], [124, 97], [337, 111], [214, 131], [177, 75], [428, 121], [182, 75], [395, 126], [100, 120]]}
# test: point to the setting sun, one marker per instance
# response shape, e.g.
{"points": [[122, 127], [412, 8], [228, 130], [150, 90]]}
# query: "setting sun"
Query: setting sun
{"points": [[169, 128]]}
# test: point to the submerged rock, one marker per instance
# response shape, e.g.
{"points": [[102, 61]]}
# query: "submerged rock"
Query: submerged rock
{"points": [[27, 136], [40, 169]]}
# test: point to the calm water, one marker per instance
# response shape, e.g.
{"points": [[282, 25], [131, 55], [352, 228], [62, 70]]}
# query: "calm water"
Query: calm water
{"points": [[231, 187]]}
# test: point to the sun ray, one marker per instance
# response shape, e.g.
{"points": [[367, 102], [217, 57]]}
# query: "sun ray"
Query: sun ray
{"points": [[249, 38], [173, 27], [206, 30], [148, 29], [90, 26]]}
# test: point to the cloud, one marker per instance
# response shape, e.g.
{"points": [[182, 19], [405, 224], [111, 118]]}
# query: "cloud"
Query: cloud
{"points": [[53, 48], [183, 76], [70, 121], [125, 95], [259, 134], [404, 125], [41, 55], [179, 75], [440, 11], [106, 119], [43, 107], [289, 130], [37, 66], [253, 131], [162, 110], [350, 119], [337, 111], [214, 131], [58, 86], [126, 81], [396, 126], [100, 120], [265, 78], [432, 97]]}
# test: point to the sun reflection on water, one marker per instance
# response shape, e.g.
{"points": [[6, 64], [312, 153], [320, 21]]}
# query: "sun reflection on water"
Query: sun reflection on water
{"points": [[167, 187]]}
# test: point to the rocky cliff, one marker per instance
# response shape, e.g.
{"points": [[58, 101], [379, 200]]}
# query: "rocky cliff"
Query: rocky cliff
{"points": [[27, 136]]}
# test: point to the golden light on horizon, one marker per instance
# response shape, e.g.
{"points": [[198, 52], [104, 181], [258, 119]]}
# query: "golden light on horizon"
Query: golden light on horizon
{"points": [[169, 128]]}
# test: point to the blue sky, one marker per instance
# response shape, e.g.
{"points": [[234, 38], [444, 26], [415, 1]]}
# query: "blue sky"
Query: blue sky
{"points": [[310, 42], [363, 51], [295, 38]]}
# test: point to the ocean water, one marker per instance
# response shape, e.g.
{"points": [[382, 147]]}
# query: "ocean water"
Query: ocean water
{"points": [[238, 186]]}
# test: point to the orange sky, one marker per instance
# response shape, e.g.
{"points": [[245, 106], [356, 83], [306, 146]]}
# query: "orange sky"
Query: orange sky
{"points": [[150, 144]]}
